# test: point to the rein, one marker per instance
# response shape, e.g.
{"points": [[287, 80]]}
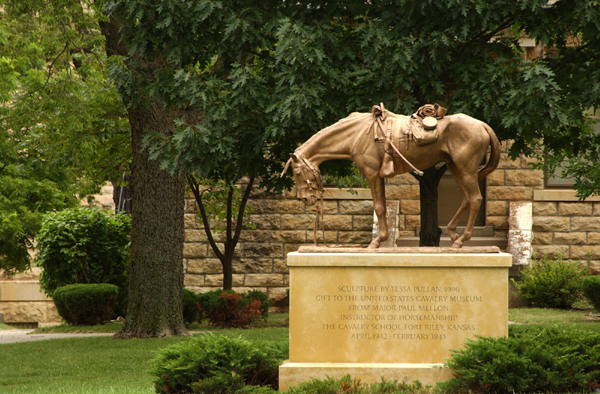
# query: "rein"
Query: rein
{"points": [[306, 167]]}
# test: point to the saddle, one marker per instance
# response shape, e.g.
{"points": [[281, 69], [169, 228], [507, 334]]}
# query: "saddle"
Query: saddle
{"points": [[419, 127]]}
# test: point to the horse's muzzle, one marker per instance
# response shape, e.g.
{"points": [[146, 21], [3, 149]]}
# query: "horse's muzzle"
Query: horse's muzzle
{"points": [[309, 201]]}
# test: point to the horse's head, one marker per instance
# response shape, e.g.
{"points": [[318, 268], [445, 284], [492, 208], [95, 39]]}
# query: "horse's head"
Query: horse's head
{"points": [[307, 177]]}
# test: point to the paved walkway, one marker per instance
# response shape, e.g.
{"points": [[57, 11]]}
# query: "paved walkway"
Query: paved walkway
{"points": [[14, 336]]}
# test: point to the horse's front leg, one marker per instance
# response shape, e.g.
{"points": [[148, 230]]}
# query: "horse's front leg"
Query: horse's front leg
{"points": [[377, 185]]}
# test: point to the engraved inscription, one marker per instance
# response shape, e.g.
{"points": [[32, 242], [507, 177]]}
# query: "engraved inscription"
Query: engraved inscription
{"points": [[397, 312]]}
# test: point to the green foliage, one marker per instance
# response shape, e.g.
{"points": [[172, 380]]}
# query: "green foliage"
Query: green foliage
{"points": [[217, 365], [591, 290], [24, 199], [214, 198], [83, 245], [532, 361], [354, 386], [551, 283], [266, 76], [86, 304], [56, 100], [63, 130], [226, 308], [191, 307]]}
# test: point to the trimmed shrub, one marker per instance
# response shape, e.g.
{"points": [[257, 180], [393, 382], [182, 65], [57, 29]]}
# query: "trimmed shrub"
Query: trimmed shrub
{"points": [[530, 361], [354, 386], [191, 307], [83, 245], [265, 302], [86, 304], [551, 283], [226, 308], [591, 290], [214, 364]]}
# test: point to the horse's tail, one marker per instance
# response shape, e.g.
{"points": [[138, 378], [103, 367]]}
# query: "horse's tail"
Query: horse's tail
{"points": [[494, 158]]}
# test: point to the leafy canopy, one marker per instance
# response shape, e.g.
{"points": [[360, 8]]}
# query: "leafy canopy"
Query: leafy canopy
{"points": [[265, 76], [63, 130]]}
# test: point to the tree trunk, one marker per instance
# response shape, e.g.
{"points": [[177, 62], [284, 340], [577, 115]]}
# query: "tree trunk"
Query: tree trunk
{"points": [[227, 264], [155, 299], [156, 273], [428, 191]]}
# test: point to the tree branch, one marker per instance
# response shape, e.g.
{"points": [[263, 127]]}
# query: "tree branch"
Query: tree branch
{"points": [[240, 218], [229, 213], [198, 195], [485, 35]]}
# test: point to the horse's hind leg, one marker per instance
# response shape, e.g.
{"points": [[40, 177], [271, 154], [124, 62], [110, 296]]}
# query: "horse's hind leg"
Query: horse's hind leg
{"points": [[470, 187], [456, 218], [377, 185], [463, 205]]}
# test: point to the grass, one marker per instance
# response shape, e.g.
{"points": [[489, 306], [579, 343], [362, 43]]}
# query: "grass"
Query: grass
{"points": [[79, 365], [273, 320], [586, 319], [105, 365], [6, 327], [65, 328], [95, 364]]}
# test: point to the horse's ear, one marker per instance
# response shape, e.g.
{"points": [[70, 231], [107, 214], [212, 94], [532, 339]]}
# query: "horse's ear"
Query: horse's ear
{"points": [[287, 165]]}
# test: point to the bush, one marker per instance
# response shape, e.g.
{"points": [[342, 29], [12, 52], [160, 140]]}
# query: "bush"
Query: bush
{"points": [[214, 364], [551, 283], [191, 307], [354, 386], [530, 361], [86, 304], [591, 290], [226, 308], [83, 245], [265, 302]]}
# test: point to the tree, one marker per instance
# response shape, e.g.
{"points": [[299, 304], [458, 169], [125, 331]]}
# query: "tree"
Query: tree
{"points": [[156, 273], [61, 123], [59, 100], [266, 76]]}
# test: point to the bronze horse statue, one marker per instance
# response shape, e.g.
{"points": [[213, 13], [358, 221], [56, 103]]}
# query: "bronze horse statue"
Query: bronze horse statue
{"points": [[461, 142]]}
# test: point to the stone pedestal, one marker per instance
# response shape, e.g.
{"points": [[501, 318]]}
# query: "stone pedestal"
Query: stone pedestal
{"points": [[390, 314]]}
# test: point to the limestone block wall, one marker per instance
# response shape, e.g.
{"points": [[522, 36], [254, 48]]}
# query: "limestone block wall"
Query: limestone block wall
{"points": [[562, 225], [570, 229], [513, 180], [280, 225], [22, 302]]}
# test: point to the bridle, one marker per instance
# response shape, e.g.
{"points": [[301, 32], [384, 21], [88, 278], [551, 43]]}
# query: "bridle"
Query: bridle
{"points": [[306, 168]]}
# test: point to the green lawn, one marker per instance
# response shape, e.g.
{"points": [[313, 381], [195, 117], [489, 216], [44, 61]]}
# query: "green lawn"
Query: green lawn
{"points": [[586, 319], [95, 364], [273, 320], [106, 365], [79, 365], [65, 328]]}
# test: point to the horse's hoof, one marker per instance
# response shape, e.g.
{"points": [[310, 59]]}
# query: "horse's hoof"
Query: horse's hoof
{"points": [[373, 245], [457, 244]]}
